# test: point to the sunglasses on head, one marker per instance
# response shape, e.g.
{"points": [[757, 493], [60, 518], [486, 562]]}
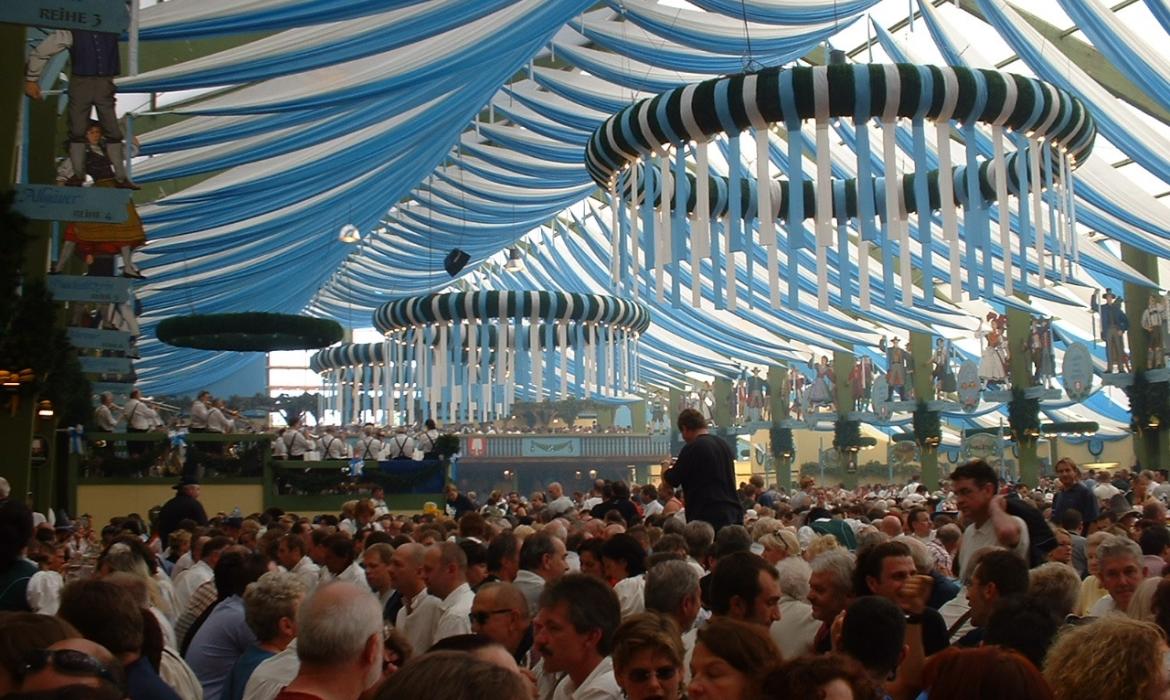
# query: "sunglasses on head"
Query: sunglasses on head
{"points": [[480, 617], [68, 661], [641, 675]]}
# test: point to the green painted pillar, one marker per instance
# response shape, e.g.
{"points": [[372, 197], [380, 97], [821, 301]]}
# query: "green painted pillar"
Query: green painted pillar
{"points": [[921, 349], [842, 367], [1152, 446], [16, 431], [723, 389], [676, 401], [778, 405], [638, 417], [605, 416], [1019, 330], [11, 91]]}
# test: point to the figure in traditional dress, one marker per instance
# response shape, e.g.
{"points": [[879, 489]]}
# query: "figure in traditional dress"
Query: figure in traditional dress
{"points": [[861, 383], [993, 361], [1114, 324], [820, 391], [1156, 324], [707, 401], [756, 400], [941, 369], [1039, 349], [741, 397], [896, 367]]}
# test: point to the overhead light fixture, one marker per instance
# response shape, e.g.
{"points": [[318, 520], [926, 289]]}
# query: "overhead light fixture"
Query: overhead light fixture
{"points": [[45, 409], [455, 261], [515, 260], [349, 234]]}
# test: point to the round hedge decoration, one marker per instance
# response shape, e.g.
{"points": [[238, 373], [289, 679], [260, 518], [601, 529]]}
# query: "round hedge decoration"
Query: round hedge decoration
{"points": [[249, 332]]}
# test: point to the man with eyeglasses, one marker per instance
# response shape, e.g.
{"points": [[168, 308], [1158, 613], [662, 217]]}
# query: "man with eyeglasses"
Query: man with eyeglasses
{"points": [[72, 662], [500, 613]]}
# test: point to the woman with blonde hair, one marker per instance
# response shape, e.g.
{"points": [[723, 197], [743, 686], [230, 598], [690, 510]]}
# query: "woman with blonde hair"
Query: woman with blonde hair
{"points": [[779, 542], [1114, 658], [648, 657], [1091, 588], [128, 554], [819, 545]]}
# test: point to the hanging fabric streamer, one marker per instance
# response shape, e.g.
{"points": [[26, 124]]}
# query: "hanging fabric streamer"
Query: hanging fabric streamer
{"points": [[822, 218], [665, 254], [865, 195], [734, 219], [701, 230], [999, 168], [615, 226], [1037, 208], [794, 225], [563, 347]]}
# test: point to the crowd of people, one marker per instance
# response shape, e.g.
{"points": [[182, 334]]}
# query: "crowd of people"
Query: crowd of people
{"points": [[694, 587]]}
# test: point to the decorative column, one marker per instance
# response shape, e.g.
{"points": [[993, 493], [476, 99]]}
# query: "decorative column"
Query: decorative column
{"points": [[778, 405], [1019, 329], [722, 415], [842, 368], [638, 417], [921, 349]]}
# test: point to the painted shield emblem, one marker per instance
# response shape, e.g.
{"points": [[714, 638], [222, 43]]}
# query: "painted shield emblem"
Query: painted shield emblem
{"points": [[969, 386]]}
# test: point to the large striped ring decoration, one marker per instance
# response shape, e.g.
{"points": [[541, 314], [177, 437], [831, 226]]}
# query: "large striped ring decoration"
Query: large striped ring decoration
{"points": [[630, 154], [492, 306], [468, 356], [732, 104]]}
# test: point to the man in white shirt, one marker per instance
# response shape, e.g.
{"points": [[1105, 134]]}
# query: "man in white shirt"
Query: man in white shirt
{"points": [[137, 421], [340, 561], [296, 442], [290, 552], [332, 446], [420, 610], [104, 416], [445, 571], [400, 446], [217, 420], [975, 485], [672, 588], [580, 653], [202, 571], [1119, 567], [595, 496], [558, 502], [273, 674], [542, 561], [368, 445], [199, 410]]}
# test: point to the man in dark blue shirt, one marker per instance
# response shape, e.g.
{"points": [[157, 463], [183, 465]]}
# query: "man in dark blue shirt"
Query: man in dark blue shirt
{"points": [[1073, 495], [705, 469]]}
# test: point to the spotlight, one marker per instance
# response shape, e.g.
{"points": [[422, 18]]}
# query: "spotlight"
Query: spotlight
{"points": [[515, 260], [455, 261], [349, 234]]}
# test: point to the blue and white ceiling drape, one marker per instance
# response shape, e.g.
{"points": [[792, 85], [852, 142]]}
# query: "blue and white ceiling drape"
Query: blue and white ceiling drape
{"points": [[427, 126]]}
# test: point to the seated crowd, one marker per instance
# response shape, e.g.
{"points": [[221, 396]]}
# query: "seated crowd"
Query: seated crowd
{"points": [[977, 591]]}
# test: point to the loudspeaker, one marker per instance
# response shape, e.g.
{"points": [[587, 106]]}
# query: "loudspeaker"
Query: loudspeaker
{"points": [[455, 261]]}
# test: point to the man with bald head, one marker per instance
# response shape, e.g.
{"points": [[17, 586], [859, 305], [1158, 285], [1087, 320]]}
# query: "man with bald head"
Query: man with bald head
{"points": [[445, 569], [558, 502], [891, 525], [500, 612], [339, 643], [75, 661], [420, 610]]}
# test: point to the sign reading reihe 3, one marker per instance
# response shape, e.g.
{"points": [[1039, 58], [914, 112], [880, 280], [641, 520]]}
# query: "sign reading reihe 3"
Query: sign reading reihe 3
{"points": [[94, 15]]}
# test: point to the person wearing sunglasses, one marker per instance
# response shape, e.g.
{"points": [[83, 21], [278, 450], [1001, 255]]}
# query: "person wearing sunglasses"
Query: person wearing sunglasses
{"points": [[73, 661], [500, 612], [648, 657]]}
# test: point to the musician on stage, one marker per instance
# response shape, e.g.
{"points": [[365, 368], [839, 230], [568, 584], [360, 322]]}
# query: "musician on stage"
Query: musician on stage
{"points": [[199, 410], [368, 446]]}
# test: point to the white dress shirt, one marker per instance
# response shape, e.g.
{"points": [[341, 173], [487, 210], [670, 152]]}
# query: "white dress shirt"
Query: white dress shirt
{"points": [[136, 414], [199, 416], [296, 443], [399, 446], [631, 593], [368, 447], [189, 580], [217, 422], [796, 630], [333, 447], [104, 417], [417, 620], [598, 685], [273, 674], [308, 572], [455, 610]]}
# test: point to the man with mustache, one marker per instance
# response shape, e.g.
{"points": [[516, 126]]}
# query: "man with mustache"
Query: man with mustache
{"points": [[574, 637]]}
